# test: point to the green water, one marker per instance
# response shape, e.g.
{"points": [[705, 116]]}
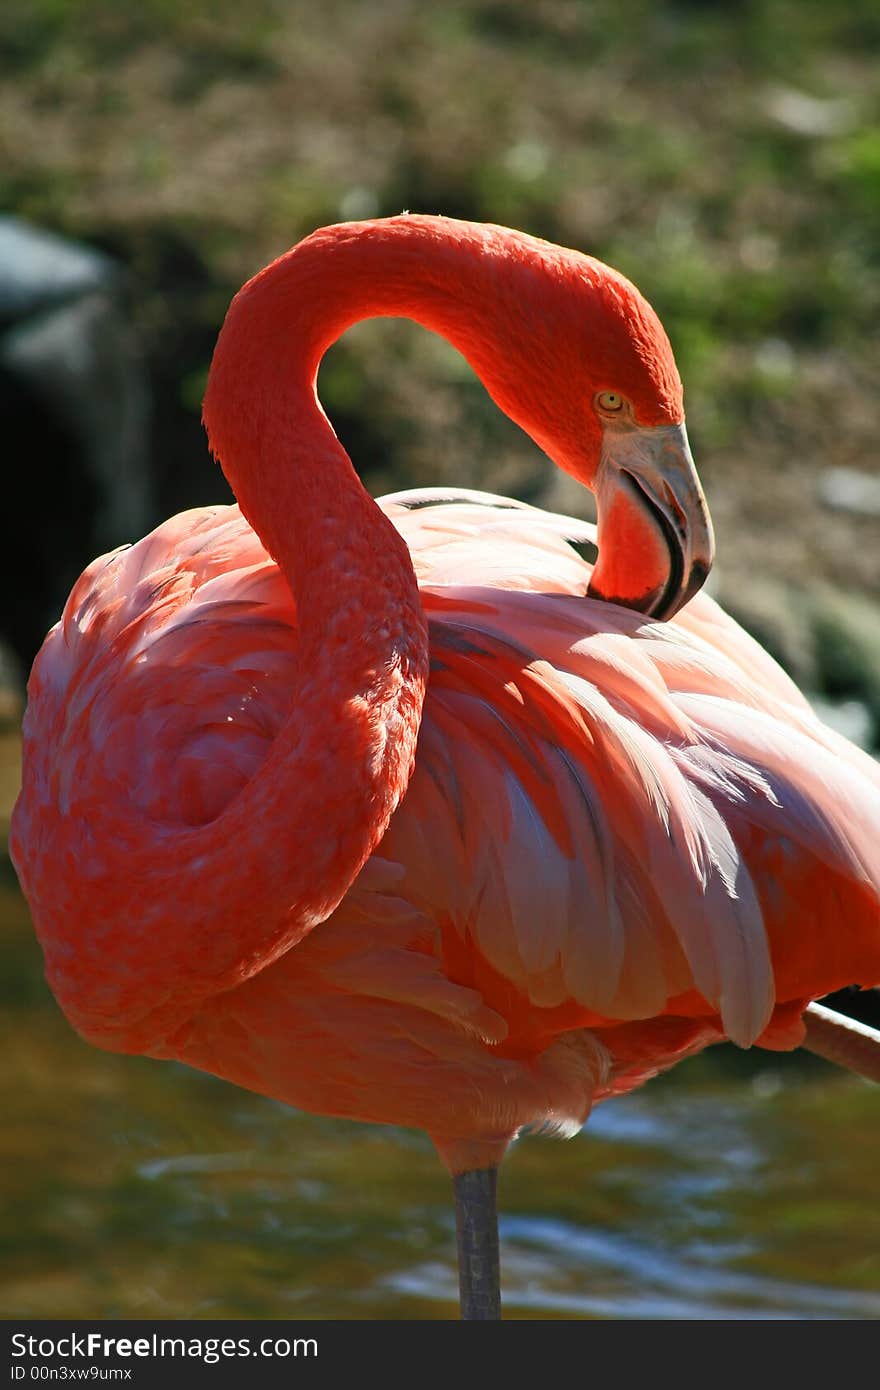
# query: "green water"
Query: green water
{"points": [[736, 1186]]}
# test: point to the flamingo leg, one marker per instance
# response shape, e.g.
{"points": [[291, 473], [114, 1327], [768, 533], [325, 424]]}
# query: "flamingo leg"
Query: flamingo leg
{"points": [[476, 1220], [843, 1041]]}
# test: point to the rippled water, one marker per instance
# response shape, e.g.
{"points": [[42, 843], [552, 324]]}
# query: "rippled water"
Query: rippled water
{"points": [[735, 1187]]}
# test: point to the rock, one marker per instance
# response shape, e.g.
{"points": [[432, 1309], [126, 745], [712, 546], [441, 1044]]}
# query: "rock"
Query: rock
{"points": [[74, 412], [828, 641], [776, 616], [40, 271], [812, 117], [846, 641], [849, 490], [851, 718]]}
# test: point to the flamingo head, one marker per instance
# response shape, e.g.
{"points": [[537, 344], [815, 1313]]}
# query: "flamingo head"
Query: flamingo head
{"points": [[656, 544], [595, 384]]}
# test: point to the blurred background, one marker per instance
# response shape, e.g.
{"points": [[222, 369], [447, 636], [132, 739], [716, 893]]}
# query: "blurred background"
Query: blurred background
{"points": [[152, 158]]}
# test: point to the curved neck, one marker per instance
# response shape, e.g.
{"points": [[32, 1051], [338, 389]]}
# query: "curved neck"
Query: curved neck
{"points": [[263, 418], [342, 762], [281, 856], [348, 568], [484, 289]]}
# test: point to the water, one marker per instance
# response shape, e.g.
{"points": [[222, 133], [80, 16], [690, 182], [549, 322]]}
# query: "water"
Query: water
{"points": [[735, 1187]]}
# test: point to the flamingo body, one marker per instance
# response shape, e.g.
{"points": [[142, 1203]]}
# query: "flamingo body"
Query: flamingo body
{"points": [[623, 839], [403, 811]]}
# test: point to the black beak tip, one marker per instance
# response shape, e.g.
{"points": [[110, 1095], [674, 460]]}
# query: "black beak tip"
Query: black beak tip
{"points": [[675, 596], [696, 579], [698, 576]]}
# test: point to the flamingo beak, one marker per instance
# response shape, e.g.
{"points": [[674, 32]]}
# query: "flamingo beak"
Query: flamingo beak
{"points": [[655, 536]]}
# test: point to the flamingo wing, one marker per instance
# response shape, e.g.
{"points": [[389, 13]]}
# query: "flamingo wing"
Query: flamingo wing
{"points": [[616, 825], [622, 815]]}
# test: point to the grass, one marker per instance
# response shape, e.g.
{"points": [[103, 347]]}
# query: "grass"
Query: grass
{"points": [[726, 158]]}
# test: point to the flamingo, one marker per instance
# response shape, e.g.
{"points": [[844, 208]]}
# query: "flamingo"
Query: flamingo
{"points": [[400, 810]]}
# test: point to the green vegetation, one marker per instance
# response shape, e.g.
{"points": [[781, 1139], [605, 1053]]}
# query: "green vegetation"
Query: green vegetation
{"points": [[727, 158]]}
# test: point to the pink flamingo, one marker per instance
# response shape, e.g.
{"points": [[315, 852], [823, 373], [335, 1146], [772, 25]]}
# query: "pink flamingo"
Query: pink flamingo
{"points": [[397, 810]]}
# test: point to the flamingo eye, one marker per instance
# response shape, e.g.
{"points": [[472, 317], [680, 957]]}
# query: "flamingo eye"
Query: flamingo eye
{"points": [[610, 402]]}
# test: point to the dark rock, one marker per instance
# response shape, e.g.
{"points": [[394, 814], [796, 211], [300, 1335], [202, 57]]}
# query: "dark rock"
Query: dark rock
{"points": [[846, 641], [74, 412], [40, 271]]}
